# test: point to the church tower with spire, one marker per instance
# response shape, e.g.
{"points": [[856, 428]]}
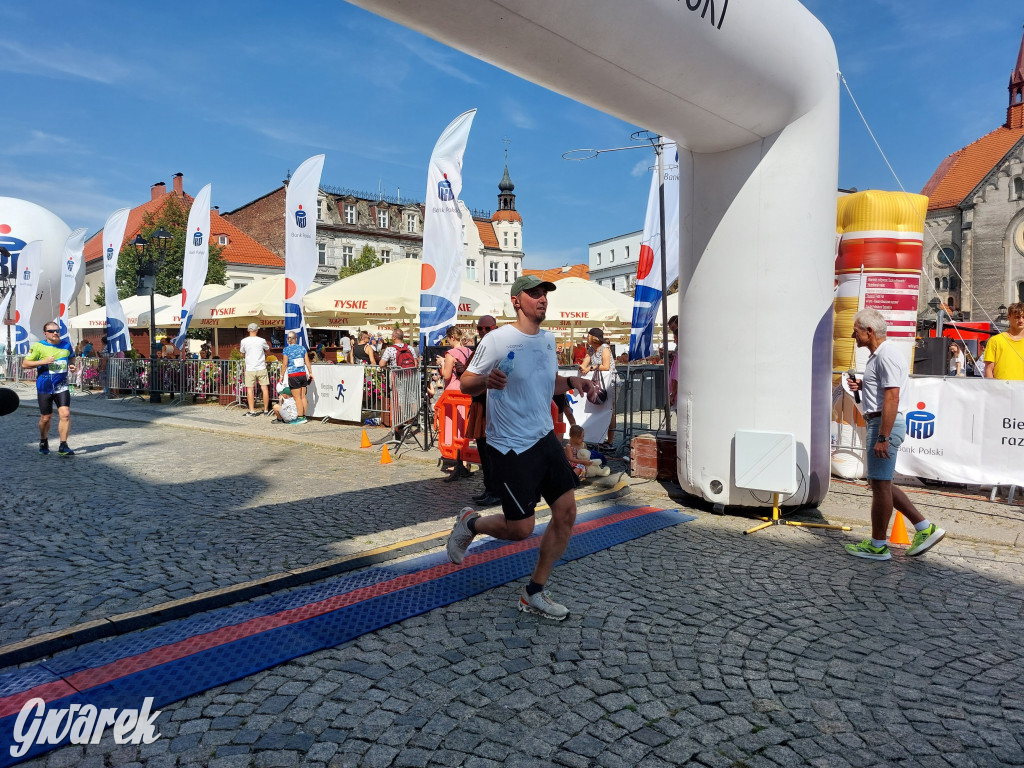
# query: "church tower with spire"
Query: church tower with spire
{"points": [[508, 224], [1015, 111]]}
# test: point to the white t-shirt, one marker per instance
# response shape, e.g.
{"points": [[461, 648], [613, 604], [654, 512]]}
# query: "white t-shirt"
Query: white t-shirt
{"points": [[887, 367], [289, 410], [253, 347], [519, 415], [346, 345]]}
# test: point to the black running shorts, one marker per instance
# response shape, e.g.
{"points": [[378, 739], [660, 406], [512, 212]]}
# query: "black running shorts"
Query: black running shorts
{"points": [[521, 479], [48, 399]]}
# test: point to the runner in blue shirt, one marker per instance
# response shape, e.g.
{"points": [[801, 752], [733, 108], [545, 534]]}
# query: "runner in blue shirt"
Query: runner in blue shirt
{"points": [[52, 359]]}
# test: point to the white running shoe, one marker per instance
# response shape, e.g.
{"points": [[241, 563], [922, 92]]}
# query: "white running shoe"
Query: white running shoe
{"points": [[461, 536], [542, 604]]}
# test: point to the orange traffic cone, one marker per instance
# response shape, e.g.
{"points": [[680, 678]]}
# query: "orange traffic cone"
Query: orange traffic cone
{"points": [[898, 535], [366, 441], [385, 458]]}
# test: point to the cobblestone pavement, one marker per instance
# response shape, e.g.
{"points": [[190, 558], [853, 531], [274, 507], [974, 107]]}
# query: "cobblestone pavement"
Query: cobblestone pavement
{"points": [[693, 646]]}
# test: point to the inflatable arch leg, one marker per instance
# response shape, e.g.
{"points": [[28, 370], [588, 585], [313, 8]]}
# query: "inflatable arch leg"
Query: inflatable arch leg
{"points": [[749, 90]]}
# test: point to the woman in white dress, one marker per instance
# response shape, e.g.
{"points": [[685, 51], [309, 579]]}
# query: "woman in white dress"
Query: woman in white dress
{"points": [[599, 358]]}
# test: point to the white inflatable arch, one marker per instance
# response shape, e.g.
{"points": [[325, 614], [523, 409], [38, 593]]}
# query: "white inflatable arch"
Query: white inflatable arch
{"points": [[749, 90]]}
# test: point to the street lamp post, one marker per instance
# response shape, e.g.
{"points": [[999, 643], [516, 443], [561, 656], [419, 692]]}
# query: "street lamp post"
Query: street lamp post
{"points": [[150, 261]]}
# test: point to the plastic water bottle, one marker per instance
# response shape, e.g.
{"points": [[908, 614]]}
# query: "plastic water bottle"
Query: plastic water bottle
{"points": [[505, 366]]}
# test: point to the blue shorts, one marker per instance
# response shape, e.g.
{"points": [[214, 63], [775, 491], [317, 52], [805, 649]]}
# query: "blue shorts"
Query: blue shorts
{"points": [[884, 469]]}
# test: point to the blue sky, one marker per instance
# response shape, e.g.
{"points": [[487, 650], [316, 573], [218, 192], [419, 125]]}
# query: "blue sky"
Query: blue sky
{"points": [[105, 99]]}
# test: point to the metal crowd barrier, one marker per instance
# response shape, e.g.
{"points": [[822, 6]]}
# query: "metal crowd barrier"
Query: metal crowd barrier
{"points": [[640, 399]]}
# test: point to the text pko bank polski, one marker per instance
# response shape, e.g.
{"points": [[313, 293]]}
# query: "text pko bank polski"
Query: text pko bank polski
{"points": [[82, 724]]}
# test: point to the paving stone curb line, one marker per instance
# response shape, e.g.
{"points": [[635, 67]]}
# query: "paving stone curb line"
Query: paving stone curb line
{"points": [[35, 648]]}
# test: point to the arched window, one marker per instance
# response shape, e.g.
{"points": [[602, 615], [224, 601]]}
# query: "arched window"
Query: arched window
{"points": [[938, 284], [1020, 291], [945, 283], [1018, 188]]}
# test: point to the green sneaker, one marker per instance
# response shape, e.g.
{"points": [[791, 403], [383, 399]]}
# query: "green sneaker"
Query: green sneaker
{"points": [[864, 549], [925, 540]]}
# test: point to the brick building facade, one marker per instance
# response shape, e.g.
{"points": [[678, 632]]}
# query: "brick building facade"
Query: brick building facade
{"points": [[347, 221]]}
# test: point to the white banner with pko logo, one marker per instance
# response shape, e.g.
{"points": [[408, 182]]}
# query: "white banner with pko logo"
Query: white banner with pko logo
{"points": [[965, 431]]}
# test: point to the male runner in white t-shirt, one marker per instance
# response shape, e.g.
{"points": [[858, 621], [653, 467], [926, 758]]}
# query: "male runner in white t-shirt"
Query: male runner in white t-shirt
{"points": [[527, 459]]}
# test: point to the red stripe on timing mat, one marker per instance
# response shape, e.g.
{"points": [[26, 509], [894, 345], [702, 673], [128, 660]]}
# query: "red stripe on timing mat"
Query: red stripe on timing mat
{"points": [[91, 678]]}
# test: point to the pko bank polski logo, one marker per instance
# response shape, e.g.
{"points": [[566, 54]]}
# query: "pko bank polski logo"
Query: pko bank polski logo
{"points": [[444, 190], [197, 238], [300, 218], [920, 423], [110, 252], [81, 725]]}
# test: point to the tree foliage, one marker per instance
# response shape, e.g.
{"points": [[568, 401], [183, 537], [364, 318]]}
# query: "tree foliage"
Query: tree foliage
{"points": [[173, 217], [367, 260]]}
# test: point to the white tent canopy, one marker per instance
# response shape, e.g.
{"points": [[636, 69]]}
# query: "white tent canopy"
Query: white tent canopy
{"points": [[134, 307], [169, 316], [579, 303]]}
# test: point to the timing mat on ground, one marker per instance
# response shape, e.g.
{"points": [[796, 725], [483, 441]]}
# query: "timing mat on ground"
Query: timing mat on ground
{"points": [[177, 660]]}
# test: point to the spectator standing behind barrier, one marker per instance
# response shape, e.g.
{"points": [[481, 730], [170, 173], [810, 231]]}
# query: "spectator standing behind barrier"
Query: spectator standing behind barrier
{"points": [[673, 371], [1004, 355], [476, 427], [52, 359], [599, 358], [455, 359], [255, 350], [346, 348], [979, 360], [87, 349], [957, 362], [300, 373], [363, 352], [395, 355], [528, 459], [884, 395]]}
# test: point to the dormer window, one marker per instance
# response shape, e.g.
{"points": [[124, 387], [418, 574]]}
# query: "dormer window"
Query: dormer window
{"points": [[382, 218], [222, 240], [350, 213]]}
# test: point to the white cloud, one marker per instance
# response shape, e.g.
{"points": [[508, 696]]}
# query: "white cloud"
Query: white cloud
{"points": [[61, 62], [437, 57], [38, 143], [517, 115], [79, 201]]}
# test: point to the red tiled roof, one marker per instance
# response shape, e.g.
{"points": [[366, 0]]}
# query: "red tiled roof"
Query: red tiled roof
{"points": [[557, 273], [487, 236], [506, 215], [241, 249], [962, 171]]}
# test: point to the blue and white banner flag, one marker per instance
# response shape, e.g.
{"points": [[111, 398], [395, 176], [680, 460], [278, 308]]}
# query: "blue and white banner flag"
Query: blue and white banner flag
{"points": [[71, 278], [443, 257], [25, 296], [300, 251], [197, 259], [647, 294], [118, 337]]}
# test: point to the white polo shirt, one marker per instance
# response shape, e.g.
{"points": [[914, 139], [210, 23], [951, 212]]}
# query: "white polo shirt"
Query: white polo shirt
{"points": [[887, 367]]}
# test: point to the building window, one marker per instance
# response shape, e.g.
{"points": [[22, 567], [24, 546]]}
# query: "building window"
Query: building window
{"points": [[350, 213], [321, 252], [410, 222], [515, 272], [494, 272], [222, 240], [506, 273], [88, 295], [505, 243], [382, 218], [515, 239], [385, 255], [319, 209], [1018, 188], [471, 269], [598, 257], [627, 253], [346, 255], [1020, 291], [611, 255]]}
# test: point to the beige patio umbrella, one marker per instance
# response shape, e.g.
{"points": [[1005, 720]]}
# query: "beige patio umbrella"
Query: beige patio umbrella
{"points": [[169, 316], [135, 308], [580, 304], [260, 302], [388, 292]]}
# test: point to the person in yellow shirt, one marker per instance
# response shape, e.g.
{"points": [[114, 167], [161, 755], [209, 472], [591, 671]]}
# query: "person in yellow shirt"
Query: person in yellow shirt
{"points": [[1004, 355]]}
